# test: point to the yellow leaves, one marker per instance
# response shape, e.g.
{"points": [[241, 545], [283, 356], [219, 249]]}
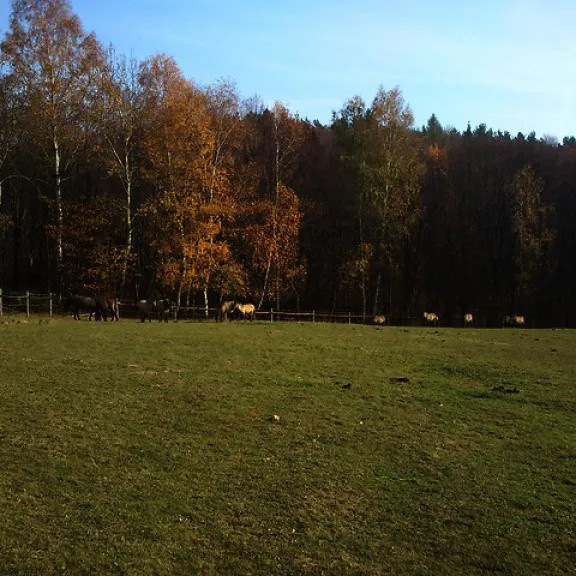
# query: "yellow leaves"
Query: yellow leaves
{"points": [[92, 260], [435, 153], [357, 264]]}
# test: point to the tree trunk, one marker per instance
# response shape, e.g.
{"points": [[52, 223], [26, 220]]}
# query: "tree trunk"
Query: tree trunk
{"points": [[364, 299], [266, 278], [60, 215], [128, 249], [206, 307], [274, 213], [277, 288], [377, 294]]}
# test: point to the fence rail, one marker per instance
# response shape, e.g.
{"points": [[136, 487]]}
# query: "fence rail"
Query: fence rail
{"points": [[27, 303], [30, 303]]}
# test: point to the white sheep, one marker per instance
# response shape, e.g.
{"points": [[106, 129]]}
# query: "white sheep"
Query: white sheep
{"points": [[431, 318]]}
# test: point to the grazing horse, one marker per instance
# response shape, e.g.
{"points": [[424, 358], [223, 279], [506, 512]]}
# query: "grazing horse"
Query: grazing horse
{"points": [[431, 319], [468, 320], [108, 306], [245, 311], [78, 304], [159, 308], [227, 307], [100, 306], [146, 310], [163, 308], [379, 320]]}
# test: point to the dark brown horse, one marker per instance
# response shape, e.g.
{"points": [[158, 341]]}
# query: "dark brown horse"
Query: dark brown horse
{"points": [[108, 307], [99, 306], [227, 307], [149, 308], [163, 307]]}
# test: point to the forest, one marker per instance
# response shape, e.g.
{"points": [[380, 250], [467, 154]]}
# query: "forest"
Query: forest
{"points": [[125, 177]]}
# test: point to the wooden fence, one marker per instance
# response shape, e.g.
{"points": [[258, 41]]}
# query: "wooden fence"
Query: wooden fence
{"points": [[29, 303]]}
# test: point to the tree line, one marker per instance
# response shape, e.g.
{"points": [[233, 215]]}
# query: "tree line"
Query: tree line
{"points": [[125, 177]]}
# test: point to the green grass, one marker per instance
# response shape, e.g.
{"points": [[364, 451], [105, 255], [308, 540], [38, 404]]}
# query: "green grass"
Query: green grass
{"points": [[151, 449]]}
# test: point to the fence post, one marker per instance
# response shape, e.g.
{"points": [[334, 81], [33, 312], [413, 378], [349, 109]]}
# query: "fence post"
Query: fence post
{"points": [[27, 304], [313, 316], [271, 314], [50, 304], [1, 308], [118, 308], [349, 317]]}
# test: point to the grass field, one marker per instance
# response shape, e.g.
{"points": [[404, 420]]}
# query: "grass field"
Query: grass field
{"points": [[152, 449]]}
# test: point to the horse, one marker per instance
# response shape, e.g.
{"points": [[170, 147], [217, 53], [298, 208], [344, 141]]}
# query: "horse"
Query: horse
{"points": [[78, 304], [245, 311], [146, 309], [379, 320], [227, 307], [100, 306], [431, 319], [468, 320], [108, 306], [160, 308], [163, 308]]}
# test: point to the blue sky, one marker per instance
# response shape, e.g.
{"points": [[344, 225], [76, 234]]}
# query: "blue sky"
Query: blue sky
{"points": [[508, 63]]}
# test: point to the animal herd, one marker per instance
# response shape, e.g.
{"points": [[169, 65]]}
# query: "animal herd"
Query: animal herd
{"points": [[102, 308], [432, 319], [507, 322], [230, 309], [159, 308]]}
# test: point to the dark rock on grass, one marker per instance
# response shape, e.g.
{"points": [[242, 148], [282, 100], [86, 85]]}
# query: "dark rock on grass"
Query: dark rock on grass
{"points": [[505, 390], [403, 379]]}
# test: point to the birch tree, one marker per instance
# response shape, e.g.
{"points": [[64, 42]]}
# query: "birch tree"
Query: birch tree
{"points": [[53, 61], [119, 116]]}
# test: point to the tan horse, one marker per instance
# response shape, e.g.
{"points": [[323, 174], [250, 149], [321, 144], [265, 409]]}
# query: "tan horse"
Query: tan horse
{"points": [[379, 320], [468, 320], [245, 311]]}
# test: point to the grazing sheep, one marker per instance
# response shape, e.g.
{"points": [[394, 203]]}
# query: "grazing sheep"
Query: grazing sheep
{"points": [[468, 320], [379, 320], [431, 319], [514, 321]]}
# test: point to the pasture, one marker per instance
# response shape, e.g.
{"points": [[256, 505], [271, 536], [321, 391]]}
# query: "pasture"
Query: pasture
{"points": [[143, 449]]}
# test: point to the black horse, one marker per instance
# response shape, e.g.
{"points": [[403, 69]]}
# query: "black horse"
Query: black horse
{"points": [[163, 308], [78, 304]]}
